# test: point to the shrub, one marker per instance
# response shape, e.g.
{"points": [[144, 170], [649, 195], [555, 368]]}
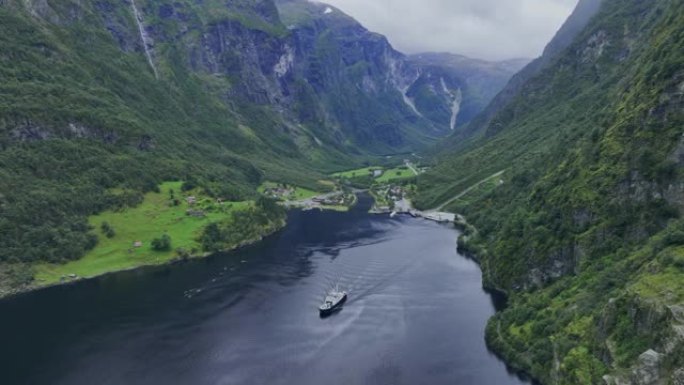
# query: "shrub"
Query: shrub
{"points": [[107, 230], [162, 244], [183, 253], [21, 275]]}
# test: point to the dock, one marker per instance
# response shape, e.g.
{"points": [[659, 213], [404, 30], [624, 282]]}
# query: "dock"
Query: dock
{"points": [[404, 206], [437, 216]]}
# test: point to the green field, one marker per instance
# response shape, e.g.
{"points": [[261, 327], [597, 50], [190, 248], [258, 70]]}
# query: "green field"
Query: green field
{"points": [[388, 175], [356, 173], [152, 218], [394, 174]]}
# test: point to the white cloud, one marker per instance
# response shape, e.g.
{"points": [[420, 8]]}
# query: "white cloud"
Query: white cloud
{"points": [[488, 29]]}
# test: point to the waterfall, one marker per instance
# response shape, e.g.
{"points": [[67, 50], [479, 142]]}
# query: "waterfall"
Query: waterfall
{"points": [[455, 108], [146, 40], [455, 103], [409, 101]]}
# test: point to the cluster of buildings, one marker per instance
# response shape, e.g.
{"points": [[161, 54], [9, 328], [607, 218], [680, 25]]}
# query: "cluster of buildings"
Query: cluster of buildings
{"points": [[396, 193], [278, 192], [337, 200]]}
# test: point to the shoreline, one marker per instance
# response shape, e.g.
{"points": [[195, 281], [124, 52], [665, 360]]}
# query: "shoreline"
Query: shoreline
{"points": [[6, 295], [289, 205], [501, 302]]}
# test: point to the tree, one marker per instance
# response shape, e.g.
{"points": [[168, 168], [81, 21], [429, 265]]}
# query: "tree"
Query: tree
{"points": [[162, 244], [107, 229], [211, 236], [270, 207]]}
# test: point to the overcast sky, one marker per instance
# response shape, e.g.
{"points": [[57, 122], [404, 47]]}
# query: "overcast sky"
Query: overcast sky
{"points": [[487, 29]]}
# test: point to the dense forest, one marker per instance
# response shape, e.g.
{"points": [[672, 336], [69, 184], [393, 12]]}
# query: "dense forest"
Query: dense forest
{"points": [[85, 126], [583, 229]]}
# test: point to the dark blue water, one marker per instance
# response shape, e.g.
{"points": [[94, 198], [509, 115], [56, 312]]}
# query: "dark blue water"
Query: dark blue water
{"points": [[415, 315]]}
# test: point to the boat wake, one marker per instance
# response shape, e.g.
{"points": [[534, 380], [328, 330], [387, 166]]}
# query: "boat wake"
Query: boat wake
{"points": [[362, 276]]}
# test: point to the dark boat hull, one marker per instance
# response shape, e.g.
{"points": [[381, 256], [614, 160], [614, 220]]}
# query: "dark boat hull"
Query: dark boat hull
{"points": [[333, 309]]}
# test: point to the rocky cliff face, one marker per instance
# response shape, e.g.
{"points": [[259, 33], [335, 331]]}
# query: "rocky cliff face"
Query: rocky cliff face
{"points": [[356, 76], [327, 78], [433, 92], [322, 72]]}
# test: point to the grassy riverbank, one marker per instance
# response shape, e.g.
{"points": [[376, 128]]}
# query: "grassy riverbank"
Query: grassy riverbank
{"points": [[166, 212]]}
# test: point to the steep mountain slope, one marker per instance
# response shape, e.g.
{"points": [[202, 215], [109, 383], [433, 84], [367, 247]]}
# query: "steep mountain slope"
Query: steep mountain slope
{"points": [[476, 82], [486, 122], [357, 76], [253, 60], [96, 108], [366, 82], [584, 230]]}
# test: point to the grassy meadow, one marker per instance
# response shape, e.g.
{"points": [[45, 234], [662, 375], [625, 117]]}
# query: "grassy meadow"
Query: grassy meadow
{"points": [[155, 216], [395, 174]]}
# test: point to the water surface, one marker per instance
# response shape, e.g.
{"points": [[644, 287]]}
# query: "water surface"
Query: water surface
{"points": [[415, 315]]}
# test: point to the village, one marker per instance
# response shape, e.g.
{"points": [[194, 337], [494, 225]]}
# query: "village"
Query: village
{"points": [[391, 189], [339, 199]]}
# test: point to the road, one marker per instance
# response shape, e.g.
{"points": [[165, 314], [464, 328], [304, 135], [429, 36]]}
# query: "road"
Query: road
{"points": [[410, 166], [469, 189]]}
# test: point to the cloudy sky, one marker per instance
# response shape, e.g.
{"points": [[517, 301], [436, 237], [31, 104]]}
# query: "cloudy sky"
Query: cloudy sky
{"points": [[487, 29]]}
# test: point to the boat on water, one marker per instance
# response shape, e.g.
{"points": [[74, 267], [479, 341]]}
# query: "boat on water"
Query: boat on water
{"points": [[333, 301]]}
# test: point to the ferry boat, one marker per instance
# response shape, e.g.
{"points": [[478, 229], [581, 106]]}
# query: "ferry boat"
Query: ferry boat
{"points": [[333, 301]]}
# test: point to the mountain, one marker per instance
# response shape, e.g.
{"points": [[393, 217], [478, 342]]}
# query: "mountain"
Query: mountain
{"points": [[576, 201], [428, 90], [101, 101], [486, 122], [355, 77], [476, 82]]}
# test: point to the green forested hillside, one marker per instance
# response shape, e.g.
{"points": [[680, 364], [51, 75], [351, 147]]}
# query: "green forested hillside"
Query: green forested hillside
{"points": [[584, 232], [85, 125]]}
